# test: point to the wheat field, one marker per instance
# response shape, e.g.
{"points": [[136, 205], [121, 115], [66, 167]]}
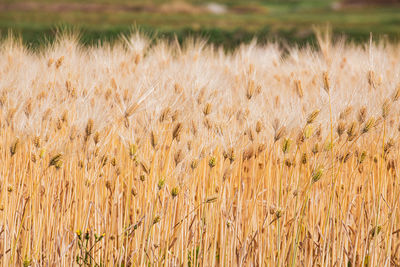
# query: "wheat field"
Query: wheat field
{"points": [[148, 153]]}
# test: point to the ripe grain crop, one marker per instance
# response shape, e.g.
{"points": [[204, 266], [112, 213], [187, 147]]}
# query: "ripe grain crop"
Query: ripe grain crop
{"points": [[150, 153]]}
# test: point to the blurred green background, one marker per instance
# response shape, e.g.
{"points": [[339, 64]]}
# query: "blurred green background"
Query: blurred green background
{"points": [[221, 22]]}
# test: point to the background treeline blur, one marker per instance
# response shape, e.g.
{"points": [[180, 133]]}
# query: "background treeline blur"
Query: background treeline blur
{"points": [[373, 1], [221, 22]]}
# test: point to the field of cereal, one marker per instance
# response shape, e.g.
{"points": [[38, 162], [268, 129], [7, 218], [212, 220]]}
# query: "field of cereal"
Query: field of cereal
{"points": [[158, 154]]}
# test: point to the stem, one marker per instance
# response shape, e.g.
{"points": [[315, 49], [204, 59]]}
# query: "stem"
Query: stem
{"points": [[334, 178], [279, 204]]}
